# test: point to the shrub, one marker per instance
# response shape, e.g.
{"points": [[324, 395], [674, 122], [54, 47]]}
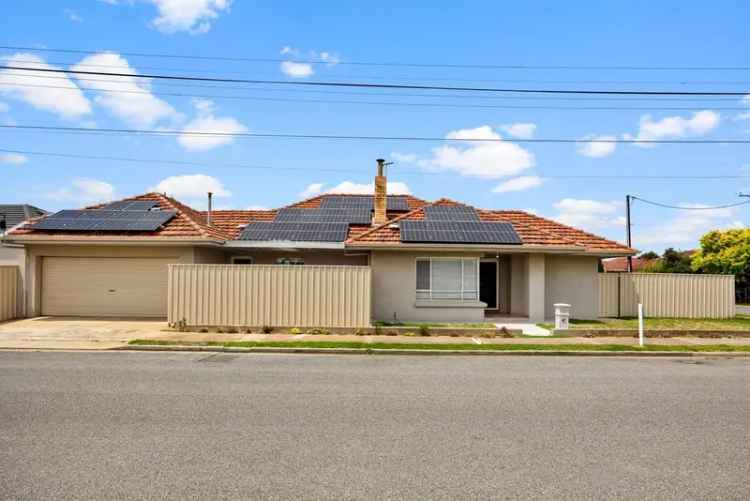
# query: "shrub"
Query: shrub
{"points": [[378, 330], [247, 330], [318, 332], [203, 330], [220, 330], [295, 331], [231, 330], [360, 332], [424, 330], [488, 334], [504, 332], [391, 333], [267, 329], [410, 334]]}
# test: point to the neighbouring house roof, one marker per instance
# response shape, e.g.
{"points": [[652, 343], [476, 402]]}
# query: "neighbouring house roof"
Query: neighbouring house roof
{"points": [[187, 224], [620, 264], [228, 225], [16, 214]]}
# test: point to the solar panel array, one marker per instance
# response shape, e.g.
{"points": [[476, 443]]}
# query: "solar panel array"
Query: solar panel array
{"points": [[395, 203], [132, 205], [105, 220], [357, 215], [464, 232], [295, 232], [454, 213]]}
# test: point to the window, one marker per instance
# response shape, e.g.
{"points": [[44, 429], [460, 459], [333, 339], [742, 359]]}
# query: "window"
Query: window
{"points": [[290, 260], [454, 279], [243, 260]]}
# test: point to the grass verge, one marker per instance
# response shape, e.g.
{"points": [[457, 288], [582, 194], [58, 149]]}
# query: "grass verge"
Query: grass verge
{"points": [[447, 347], [738, 323]]}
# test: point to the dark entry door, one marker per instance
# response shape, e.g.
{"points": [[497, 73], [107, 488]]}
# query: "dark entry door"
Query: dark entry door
{"points": [[488, 283]]}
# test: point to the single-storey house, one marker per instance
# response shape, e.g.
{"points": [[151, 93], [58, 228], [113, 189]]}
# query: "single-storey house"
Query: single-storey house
{"points": [[436, 260], [11, 216]]}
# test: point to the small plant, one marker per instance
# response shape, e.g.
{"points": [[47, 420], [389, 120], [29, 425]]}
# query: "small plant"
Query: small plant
{"points": [[203, 330], [181, 325], [504, 332], [391, 333], [266, 329], [360, 332], [295, 331], [378, 330], [220, 330], [409, 334], [247, 330], [454, 334], [231, 330], [424, 330], [318, 332], [488, 334]]}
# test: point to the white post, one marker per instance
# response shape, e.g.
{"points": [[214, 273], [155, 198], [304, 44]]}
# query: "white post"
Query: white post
{"points": [[640, 324]]}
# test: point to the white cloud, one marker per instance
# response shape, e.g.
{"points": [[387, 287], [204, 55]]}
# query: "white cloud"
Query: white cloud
{"points": [[73, 16], [193, 16], [296, 70], [407, 158], [191, 186], [588, 214], [745, 115], [486, 159], [701, 122], [206, 121], [85, 191], [746, 99], [66, 101], [352, 188], [131, 100], [687, 227], [311, 190], [4, 108], [13, 158], [521, 130], [596, 149], [519, 184]]}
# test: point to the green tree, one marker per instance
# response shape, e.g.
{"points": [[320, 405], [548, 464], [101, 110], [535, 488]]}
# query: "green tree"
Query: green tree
{"points": [[725, 252], [672, 261]]}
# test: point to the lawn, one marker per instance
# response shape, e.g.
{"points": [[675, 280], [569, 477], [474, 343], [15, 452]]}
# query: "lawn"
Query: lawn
{"points": [[738, 323], [456, 325], [447, 347]]}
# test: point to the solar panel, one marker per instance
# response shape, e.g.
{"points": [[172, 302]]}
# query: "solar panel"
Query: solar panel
{"points": [[454, 213], [459, 232], [295, 232], [395, 202], [132, 205], [357, 215], [105, 220]]}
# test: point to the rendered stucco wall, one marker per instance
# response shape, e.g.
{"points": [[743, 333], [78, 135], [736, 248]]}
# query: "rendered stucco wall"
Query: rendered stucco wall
{"points": [[314, 257], [519, 285], [394, 295], [573, 280]]}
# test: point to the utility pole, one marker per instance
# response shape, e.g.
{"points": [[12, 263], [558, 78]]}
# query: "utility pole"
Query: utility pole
{"points": [[627, 227]]}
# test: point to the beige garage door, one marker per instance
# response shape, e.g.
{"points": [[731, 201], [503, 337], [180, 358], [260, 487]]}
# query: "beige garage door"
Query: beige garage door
{"points": [[105, 287]]}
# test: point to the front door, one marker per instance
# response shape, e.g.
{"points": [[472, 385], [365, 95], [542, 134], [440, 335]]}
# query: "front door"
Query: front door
{"points": [[488, 283]]}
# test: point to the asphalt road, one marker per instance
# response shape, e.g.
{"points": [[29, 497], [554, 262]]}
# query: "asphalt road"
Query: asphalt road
{"points": [[241, 426]]}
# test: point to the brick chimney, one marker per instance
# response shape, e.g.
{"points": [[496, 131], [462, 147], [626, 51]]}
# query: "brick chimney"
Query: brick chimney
{"points": [[381, 195]]}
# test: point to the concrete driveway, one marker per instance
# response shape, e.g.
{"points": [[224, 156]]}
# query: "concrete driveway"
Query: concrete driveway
{"points": [[743, 309], [77, 333]]}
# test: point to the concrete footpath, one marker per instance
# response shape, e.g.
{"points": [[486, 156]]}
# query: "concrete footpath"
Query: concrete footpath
{"points": [[103, 334]]}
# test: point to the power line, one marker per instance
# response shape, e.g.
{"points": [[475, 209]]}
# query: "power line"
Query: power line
{"points": [[680, 207], [77, 64], [403, 94], [378, 103], [386, 64], [352, 171], [371, 85], [280, 135]]}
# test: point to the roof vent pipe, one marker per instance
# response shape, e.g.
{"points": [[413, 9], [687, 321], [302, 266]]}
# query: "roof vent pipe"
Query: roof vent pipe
{"points": [[210, 203]]}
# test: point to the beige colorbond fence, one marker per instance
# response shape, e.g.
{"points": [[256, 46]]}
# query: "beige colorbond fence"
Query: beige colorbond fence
{"points": [[666, 295], [9, 276], [273, 295]]}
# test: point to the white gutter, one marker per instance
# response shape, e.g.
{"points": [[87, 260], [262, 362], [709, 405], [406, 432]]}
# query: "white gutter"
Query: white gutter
{"points": [[68, 240], [505, 249]]}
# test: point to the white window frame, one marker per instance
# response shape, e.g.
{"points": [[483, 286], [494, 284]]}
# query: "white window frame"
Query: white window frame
{"points": [[428, 294]]}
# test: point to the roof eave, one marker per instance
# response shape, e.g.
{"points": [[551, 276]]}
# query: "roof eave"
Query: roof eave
{"points": [[283, 244], [109, 240]]}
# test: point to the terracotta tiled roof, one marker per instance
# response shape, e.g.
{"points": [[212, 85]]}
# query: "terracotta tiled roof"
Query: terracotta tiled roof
{"points": [[232, 222], [617, 264], [314, 202], [532, 229], [188, 223]]}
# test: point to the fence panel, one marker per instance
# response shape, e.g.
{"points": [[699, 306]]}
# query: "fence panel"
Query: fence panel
{"points": [[9, 277], [273, 295], [666, 295]]}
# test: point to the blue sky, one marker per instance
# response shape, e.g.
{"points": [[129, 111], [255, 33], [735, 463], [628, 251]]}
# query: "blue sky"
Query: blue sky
{"points": [[492, 175]]}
